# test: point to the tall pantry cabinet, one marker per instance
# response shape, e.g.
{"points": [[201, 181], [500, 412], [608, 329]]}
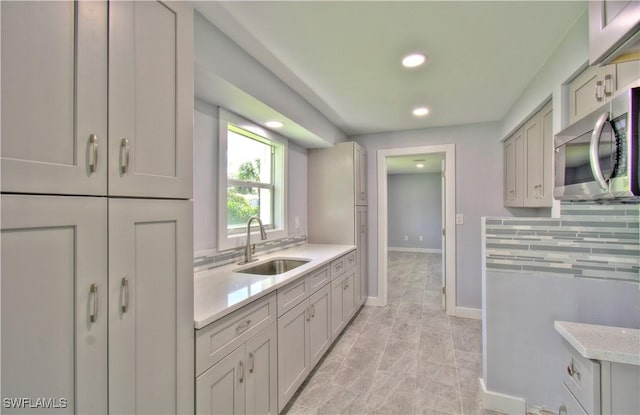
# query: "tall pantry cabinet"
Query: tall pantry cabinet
{"points": [[96, 172], [337, 200]]}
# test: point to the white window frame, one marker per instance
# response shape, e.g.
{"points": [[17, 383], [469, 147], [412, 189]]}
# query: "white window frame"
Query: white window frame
{"points": [[235, 240]]}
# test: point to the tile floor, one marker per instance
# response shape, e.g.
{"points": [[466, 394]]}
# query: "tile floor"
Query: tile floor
{"points": [[406, 358]]}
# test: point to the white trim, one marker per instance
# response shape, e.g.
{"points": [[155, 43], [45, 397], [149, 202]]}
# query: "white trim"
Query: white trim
{"points": [[420, 250], [374, 301], [465, 312], [499, 402], [280, 230], [448, 150]]}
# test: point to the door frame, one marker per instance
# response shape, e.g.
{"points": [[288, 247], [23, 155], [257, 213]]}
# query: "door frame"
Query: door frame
{"points": [[448, 151]]}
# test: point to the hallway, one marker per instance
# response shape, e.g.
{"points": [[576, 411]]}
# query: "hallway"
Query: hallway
{"points": [[406, 358]]}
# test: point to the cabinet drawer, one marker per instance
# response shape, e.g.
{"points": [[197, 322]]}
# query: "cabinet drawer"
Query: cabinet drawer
{"points": [[318, 279], [570, 405], [350, 260], [337, 267], [291, 294], [221, 337], [582, 377]]}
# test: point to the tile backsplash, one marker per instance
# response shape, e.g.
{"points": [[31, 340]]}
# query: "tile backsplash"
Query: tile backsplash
{"points": [[202, 263], [589, 240]]}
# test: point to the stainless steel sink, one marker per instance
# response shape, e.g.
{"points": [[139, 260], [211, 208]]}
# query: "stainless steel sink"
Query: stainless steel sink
{"points": [[274, 266]]}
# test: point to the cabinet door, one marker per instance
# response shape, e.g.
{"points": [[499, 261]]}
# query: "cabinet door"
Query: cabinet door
{"points": [[360, 171], [151, 346], [54, 325], [350, 295], [611, 22], [150, 99], [513, 169], [545, 189], [54, 97], [338, 322], [262, 372], [362, 252], [533, 161], [586, 92], [221, 389], [293, 351], [627, 74], [570, 405], [320, 323]]}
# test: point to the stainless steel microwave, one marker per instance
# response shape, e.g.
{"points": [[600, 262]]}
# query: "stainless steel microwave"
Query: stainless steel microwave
{"points": [[596, 158]]}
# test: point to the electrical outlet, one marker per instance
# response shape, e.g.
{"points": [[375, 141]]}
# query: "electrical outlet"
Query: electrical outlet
{"points": [[406, 237], [459, 219], [296, 219], [420, 237]]}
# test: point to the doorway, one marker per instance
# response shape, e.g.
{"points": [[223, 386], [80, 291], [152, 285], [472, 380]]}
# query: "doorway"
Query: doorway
{"points": [[443, 156]]}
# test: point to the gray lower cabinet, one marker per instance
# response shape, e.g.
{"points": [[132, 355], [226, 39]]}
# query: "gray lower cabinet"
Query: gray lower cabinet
{"points": [[304, 335], [294, 360], [243, 382], [597, 387], [72, 264], [343, 300]]}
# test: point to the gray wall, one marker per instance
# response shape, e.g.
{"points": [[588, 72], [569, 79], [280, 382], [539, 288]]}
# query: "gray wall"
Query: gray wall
{"points": [[522, 349], [414, 210], [478, 193], [205, 183]]}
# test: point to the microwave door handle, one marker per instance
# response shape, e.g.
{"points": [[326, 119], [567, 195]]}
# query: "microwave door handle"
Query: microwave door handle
{"points": [[594, 156]]}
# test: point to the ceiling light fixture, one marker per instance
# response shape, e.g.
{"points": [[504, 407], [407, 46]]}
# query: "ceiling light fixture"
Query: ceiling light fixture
{"points": [[414, 59], [274, 124], [419, 165], [421, 112]]}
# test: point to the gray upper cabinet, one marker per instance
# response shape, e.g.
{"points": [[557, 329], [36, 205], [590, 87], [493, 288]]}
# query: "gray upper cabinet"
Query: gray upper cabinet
{"points": [[55, 98], [614, 28], [527, 165], [150, 99], [597, 84]]}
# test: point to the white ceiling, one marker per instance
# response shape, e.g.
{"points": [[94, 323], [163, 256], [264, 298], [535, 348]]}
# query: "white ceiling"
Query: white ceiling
{"points": [[344, 57]]}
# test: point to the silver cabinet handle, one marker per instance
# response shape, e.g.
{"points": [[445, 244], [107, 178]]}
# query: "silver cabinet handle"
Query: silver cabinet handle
{"points": [[562, 410], [599, 91], [571, 370], [93, 162], [307, 314], [608, 85], [124, 286], [241, 372], [313, 311], [124, 156], [93, 290], [250, 362], [242, 327]]}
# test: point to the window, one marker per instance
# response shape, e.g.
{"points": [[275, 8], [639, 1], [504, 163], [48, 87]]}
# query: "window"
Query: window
{"points": [[252, 180]]}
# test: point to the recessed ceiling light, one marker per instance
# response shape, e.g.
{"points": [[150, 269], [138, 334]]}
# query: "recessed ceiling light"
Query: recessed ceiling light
{"points": [[419, 165], [420, 112], [414, 59], [274, 124]]}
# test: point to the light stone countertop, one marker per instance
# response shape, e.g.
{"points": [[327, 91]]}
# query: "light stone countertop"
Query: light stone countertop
{"points": [[220, 291], [606, 343]]}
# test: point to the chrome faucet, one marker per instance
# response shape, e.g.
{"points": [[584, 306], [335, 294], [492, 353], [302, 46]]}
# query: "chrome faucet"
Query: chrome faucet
{"points": [[248, 252]]}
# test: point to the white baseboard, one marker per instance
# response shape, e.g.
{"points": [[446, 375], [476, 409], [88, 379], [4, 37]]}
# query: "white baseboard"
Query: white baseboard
{"points": [[373, 301], [420, 250], [465, 312], [502, 403]]}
